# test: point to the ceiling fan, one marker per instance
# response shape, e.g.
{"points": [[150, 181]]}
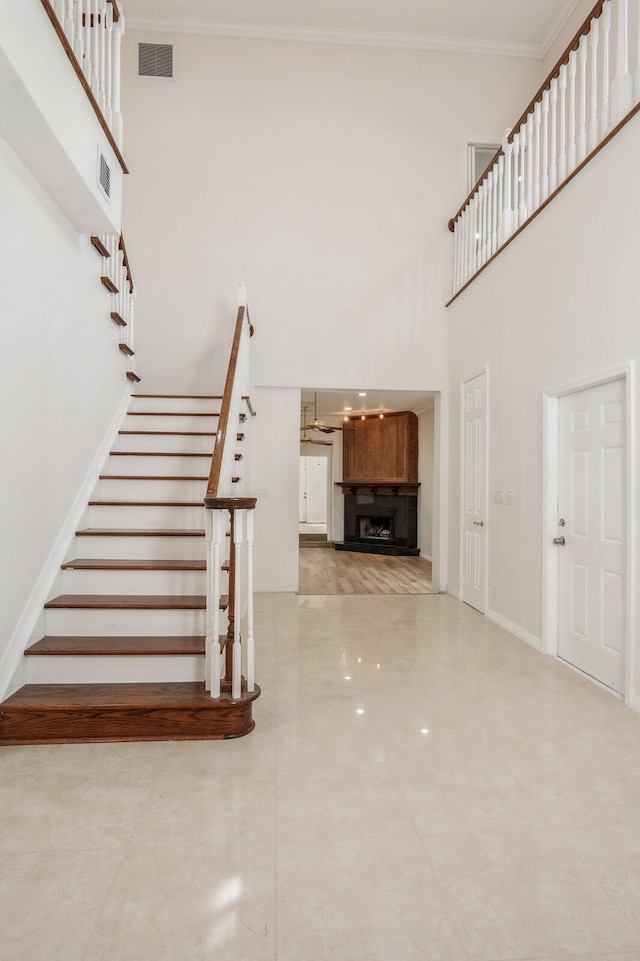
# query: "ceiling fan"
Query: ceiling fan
{"points": [[304, 426], [319, 425]]}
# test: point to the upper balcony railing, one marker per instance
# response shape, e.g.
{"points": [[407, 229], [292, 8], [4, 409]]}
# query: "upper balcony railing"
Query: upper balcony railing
{"points": [[593, 90], [91, 32]]}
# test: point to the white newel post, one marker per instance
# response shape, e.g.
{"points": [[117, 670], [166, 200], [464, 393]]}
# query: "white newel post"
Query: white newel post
{"points": [[622, 89], [250, 638], [582, 137], [238, 532], [117, 128], [209, 564]]}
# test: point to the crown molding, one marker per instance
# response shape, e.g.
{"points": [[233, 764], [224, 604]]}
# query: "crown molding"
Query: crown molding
{"points": [[561, 21], [339, 37]]}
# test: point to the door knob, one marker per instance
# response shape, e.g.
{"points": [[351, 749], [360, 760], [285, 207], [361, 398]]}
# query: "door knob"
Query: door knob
{"points": [[479, 523], [560, 541]]}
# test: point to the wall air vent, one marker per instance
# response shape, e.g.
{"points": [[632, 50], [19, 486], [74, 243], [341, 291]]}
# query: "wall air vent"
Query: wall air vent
{"points": [[155, 60], [104, 176]]}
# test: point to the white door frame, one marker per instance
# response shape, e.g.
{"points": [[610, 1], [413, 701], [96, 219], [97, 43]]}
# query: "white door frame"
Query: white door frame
{"points": [[550, 467], [476, 373]]}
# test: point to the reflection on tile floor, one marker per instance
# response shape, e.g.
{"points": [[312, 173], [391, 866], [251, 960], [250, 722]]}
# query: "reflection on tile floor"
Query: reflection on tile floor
{"points": [[420, 785]]}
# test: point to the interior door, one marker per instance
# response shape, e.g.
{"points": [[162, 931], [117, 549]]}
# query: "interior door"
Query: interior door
{"points": [[474, 493], [317, 490], [592, 521]]}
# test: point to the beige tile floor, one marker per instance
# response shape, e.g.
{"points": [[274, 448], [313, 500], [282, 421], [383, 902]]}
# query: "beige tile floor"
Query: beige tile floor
{"points": [[341, 830]]}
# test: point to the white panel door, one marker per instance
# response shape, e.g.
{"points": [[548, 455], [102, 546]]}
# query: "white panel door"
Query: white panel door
{"points": [[317, 490], [592, 504], [302, 507], [474, 493]]}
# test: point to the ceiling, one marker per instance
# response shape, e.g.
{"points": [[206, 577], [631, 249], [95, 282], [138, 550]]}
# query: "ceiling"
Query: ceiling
{"points": [[514, 27], [332, 404]]}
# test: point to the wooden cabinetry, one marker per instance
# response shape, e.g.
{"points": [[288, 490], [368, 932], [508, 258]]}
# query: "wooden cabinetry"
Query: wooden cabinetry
{"points": [[382, 449]]}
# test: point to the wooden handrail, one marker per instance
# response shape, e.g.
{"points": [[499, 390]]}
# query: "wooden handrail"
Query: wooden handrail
{"points": [[564, 58], [225, 411], [68, 49], [125, 261], [116, 10]]}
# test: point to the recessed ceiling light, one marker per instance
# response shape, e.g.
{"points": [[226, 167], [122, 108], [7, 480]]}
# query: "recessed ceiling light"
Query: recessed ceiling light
{"points": [[362, 393], [363, 417], [348, 408]]}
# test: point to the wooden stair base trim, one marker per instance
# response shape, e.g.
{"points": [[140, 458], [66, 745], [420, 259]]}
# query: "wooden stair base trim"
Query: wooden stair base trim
{"points": [[125, 349], [155, 453], [132, 602], [99, 246], [169, 433], [115, 316], [109, 284], [171, 413], [182, 396], [74, 713], [131, 375], [132, 564], [51, 646]]}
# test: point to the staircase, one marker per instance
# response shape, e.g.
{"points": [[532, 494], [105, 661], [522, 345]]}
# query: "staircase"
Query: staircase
{"points": [[123, 655]]}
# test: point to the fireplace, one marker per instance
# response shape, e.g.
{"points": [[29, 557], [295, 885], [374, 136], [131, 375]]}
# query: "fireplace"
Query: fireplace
{"points": [[380, 519]]}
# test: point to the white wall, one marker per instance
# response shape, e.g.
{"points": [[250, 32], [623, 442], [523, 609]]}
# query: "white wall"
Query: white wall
{"points": [[558, 305], [61, 378], [426, 454], [324, 177]]}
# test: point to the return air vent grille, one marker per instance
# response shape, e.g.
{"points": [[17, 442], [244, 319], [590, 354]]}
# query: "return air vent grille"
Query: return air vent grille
{"points": [[104, 176], [155, 60]]}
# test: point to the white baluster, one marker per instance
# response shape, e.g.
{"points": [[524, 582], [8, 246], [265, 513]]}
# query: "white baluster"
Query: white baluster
{"points": [[606, 28], [466, 222], [108, 79], [507, 196], [482, 243], [593, 122], [573, 147], [622, 88], [522, 208], [102, 27], [489, 222], [456, 256], [553, 172], [517, 178], [236, 680], [131, 325], [501, 204], [537, 186], [87, 63], [562, 166], [79, 31], [117, 127], [546, 105], [637, 53], [250, 638], [95, 48], [531, 152], [494, 207], [582, 136]]}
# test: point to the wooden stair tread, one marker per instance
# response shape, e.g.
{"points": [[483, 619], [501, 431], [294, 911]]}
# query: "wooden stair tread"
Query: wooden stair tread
{"points": [[162, 477], [170, 433], [126, 350], [156, 453], [117, 318], [85, 713], [162, 694], [172, 413], [109, 284], [107, 646], [132, 532], [132, 602], [131, 375], [145, 503], [99, 246], [132, 564]]}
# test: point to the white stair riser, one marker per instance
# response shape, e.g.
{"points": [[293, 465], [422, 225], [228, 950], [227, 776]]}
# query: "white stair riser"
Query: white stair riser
{"points": [[141, 547], [76, 669], [176, 404], [172, 443], [159, 465], [160, 422], [132, 582], [79, 623], [151, 490], [147, 518]]}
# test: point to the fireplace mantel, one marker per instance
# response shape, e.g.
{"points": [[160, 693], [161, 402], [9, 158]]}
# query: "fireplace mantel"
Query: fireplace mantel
{"points": [[400, 488]]}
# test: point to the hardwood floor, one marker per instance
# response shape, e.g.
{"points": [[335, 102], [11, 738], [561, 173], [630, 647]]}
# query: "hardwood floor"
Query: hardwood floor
{"points": [[342, 572]]}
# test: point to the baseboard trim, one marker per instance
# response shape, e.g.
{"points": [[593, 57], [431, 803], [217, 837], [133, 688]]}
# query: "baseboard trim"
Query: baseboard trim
{"points": [[515, 629], [634, 703], [10, 678], [453, 591], [426, 557]]}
